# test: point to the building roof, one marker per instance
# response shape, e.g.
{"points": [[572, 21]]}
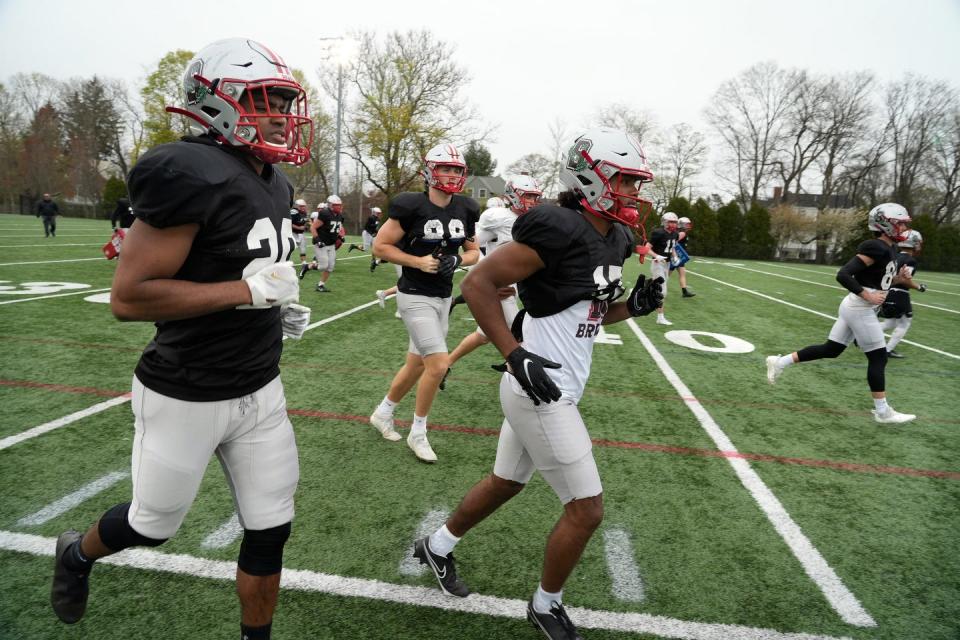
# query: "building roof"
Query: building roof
{"points": [[494, 185]]}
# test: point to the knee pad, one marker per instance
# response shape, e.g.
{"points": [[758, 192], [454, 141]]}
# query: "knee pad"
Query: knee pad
{"points": [[117, 534], [876, 365], [261, 551]]}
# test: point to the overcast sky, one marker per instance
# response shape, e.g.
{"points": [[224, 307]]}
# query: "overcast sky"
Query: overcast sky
{"points": [[530, 61]]}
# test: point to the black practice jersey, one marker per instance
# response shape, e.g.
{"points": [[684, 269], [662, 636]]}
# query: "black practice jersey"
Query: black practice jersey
{"points": [[328, 230], [683, 241], [371, 226], [299, 220], [244, 226], [579, 263], [906, 260], [663, 241], [429, 228], [878, 275]]}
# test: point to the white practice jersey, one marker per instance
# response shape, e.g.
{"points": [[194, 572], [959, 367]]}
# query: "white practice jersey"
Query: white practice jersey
{"points": [[566, 337], [495, 227]]}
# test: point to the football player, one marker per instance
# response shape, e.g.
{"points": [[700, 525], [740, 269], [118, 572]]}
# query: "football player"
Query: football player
{"points": [[327, 230], [660, 248], [567, 261], [300, 219], [369, 231], [867, 276], [684, 225], [424, 235], [896, 312], [494, 229], [208, 264]]}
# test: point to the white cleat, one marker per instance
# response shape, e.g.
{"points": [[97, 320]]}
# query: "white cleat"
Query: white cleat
{"points": [[773, 371], [891, 416], [385, 427], [662, 320], [381, 299], [396, 314], [421, 448]]}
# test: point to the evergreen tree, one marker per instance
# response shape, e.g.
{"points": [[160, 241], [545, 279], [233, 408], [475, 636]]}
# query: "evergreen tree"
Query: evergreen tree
{"points": [[759, 243], [479, 161], [705, 238], [730, 223]]}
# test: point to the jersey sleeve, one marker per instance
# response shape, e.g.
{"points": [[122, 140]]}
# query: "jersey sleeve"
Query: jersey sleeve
{"points": [[541, 230], [166, 193], [403, 209], [875, 249]]}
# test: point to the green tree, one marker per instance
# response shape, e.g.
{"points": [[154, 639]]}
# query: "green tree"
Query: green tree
{"points": [[114, 189], [730, 223], [409, 91], [680, 206], [91, 124], [11, 148], [705, 237], [42, 156], [758, 242], [479, 161], [163, 88]]}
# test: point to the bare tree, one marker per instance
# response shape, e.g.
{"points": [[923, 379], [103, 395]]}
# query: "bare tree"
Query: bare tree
{"points": [[35, 91], [944, 168], [803, 133], [408, 90], [749, 115], [916, 111], [12, 124], [680, 155], [542, 168], [639, 124]]}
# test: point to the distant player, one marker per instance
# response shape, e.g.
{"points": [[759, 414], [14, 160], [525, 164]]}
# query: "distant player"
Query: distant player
{"points": [[868, 276], [300, 218], [327, 231], [896, 312], [369, 231], [494, 229], [660, 250], [684, 225]]}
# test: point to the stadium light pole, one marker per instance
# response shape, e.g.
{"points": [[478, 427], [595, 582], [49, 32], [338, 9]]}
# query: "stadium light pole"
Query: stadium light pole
{"points": [[342, 50]]}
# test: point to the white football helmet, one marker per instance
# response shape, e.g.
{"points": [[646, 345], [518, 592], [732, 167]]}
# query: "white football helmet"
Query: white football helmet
{"points": [[597, 157], [444, 155], [890, 219], [684, 223], [670, 221], [495, 202], [913, 240], [334, 203], [519, 186], [375, 211], [220, 83], [300, 202]]}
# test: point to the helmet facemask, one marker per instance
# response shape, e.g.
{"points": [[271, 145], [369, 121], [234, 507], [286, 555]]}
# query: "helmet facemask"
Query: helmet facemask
{"points": [[518, 194], [441, 181], [617, 202]]}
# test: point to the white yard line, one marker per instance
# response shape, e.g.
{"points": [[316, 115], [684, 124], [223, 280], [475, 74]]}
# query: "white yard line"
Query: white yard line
{"points": [[9, 441], [913, 299], [832, 271], [224, 535], [312, 581], [67, 235], [54, 295], [434, 519], [840, 598], [16, 264], [823, 315], [72, 500], [626, 583]]}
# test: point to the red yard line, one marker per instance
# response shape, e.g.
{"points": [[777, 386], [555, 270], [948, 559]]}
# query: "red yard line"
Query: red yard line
{"points": [[600, 442], [26, 384]]}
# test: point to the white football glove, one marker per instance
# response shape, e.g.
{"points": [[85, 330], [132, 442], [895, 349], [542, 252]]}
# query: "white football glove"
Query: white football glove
{"points": [[273, 286], [294, 319]]}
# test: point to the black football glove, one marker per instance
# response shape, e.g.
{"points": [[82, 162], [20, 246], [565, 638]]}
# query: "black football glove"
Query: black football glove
{"points": [[922, 287], [449, 264], [529, 370], [647, 295]]}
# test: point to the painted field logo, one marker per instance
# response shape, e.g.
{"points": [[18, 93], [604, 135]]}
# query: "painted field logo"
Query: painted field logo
{"points": [[727, 344]]}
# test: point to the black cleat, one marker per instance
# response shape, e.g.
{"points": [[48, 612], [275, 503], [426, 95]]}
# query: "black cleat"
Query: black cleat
{"points": [[321, 288], [352, 247], [442, 567], [687, 294], [70, 589], [443, 382], [894, 354], [555, 625], [373, 264], [304, 267]]}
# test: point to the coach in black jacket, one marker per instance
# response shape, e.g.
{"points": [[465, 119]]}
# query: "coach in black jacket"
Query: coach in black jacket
{"points": [[49, 210]]}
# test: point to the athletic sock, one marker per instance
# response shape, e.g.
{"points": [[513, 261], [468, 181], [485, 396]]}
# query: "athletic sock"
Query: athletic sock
{"points": [[419, 425], [442, 541], [785, 361], [542, 600], [74, 559], [880, 404], [386, 407], [255, 633]]}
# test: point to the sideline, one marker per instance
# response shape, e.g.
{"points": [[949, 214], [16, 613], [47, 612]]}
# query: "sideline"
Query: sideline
{"points": [[313, 581]]}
